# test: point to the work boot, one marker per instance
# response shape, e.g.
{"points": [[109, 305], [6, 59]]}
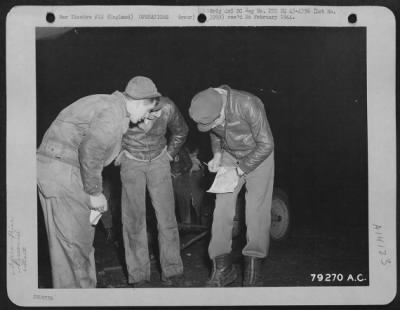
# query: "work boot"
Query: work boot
{"points": [[223, 272], [252, 271], [141, 284], [174, 281]]}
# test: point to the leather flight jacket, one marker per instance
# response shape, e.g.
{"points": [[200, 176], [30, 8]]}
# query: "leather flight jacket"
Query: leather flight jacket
{"points": [[246, 134], [146, 141]]}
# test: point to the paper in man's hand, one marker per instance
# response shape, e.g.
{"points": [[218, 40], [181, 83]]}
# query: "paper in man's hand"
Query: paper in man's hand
{"points": [[225, 181], [94, 217]]}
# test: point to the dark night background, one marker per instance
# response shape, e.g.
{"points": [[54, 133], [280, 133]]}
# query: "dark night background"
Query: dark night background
{"points": [[50, 109], [311, 80]]}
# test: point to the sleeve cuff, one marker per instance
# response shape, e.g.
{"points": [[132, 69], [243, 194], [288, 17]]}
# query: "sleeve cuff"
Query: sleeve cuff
{"points": [[243, 167], [93, 189]]}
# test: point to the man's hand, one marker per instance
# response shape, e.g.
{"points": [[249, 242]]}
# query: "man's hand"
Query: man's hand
{"points": [[239, 171], [99, 203], [214, 163]]}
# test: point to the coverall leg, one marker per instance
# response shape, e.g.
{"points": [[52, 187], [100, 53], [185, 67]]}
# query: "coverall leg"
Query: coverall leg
{"points": [[224, 212], [70, 235], [259, 188], [162, 197], [134, 228]]}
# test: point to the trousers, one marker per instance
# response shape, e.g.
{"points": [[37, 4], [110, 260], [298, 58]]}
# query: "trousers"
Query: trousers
{"points": [[154, 175], [258, 200], [183, 197], [108, 217], [66, 214]]}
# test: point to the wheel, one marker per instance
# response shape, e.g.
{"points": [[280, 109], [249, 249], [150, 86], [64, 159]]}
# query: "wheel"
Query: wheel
{"points": [[280, 215]]}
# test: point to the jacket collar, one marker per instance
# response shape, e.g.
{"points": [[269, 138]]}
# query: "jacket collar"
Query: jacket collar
{"points": [[228, 96], [161, 103], [227, 88], [122, 101]]}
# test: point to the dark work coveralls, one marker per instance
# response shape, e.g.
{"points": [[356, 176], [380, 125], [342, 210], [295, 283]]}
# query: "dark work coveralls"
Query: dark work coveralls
{"points": [[85, 137]]}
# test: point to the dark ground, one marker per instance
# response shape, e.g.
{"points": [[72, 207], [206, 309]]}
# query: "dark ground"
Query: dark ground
{"points": [[290, 262]]}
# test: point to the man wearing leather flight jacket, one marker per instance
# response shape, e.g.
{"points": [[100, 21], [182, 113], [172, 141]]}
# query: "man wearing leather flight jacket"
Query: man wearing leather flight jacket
{"points": [[241, 138], [145, 163]]}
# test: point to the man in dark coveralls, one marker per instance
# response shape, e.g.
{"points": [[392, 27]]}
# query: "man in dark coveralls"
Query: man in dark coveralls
{"points": [[84, 138]]}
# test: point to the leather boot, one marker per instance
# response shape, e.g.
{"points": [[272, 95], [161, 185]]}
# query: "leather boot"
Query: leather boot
{"points": [[252, 271], [223, 272]]}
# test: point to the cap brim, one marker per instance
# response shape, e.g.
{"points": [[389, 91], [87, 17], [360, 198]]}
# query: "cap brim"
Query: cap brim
{"points": [[150, 96], [204, 127]]}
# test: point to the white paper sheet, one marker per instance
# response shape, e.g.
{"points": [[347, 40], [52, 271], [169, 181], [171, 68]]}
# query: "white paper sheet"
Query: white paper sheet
{"points": [[225, 181], [94, 217]]}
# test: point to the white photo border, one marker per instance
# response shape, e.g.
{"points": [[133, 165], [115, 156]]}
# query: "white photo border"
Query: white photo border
{"points": [[22, 256]]}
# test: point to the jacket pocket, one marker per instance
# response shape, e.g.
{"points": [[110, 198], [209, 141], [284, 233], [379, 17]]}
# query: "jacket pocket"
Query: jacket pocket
{"points": [[53, 177], [54, 149]]}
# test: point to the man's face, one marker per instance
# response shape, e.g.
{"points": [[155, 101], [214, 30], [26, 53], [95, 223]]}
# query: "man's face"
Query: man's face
{"points": [[154, 114], [139, 109]]}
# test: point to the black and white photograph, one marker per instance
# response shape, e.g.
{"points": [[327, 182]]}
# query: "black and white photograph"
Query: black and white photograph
{"points": [[203, 156]]}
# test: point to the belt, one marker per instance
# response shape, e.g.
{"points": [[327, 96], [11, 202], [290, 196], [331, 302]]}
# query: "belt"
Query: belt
{"points": [[130, 156]]}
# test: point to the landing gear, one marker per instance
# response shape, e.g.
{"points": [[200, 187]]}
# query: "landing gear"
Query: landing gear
{"points": [[280, 219], [280, 215]]}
